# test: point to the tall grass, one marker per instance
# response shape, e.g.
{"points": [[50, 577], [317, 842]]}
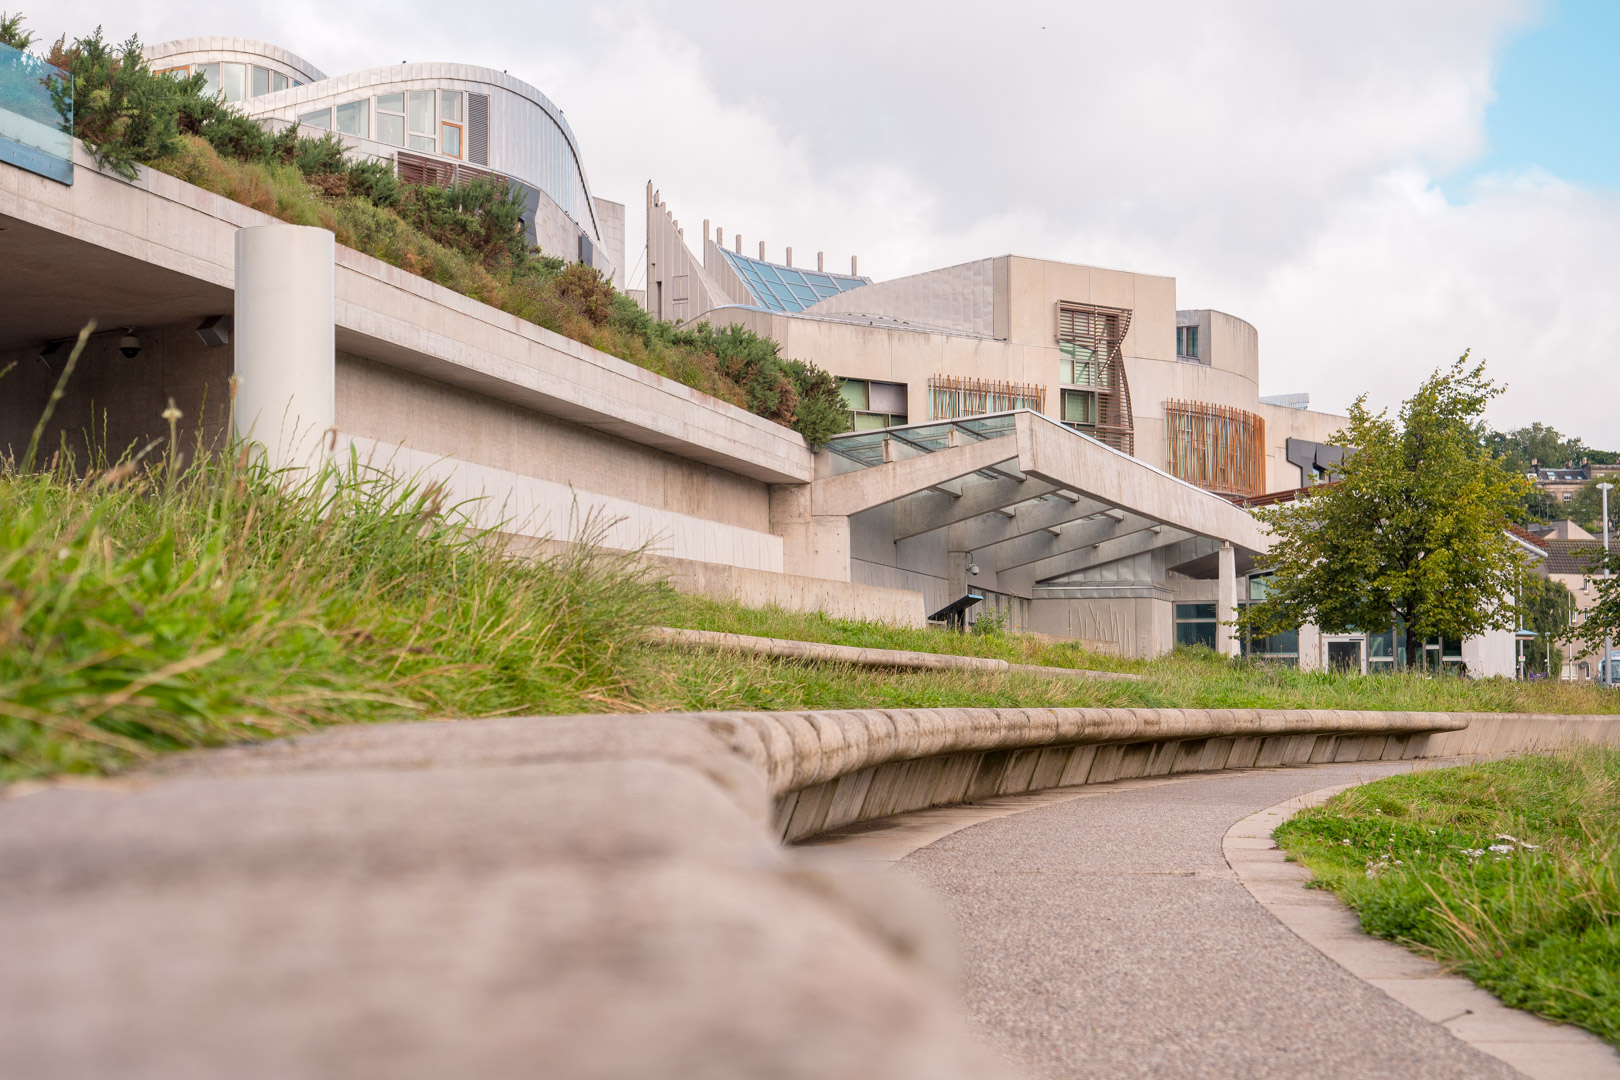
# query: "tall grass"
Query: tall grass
{"points": [[149, 605], [1507, 871]]}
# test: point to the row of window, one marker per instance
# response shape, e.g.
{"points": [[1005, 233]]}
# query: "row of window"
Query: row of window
{"points": [[431, 121], [1187, 341], [235, 82], [875, 404]]}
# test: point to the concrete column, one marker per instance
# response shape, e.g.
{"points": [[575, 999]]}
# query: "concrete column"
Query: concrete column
{"points": [[814, 545], [286, 395], [762, 251], [1226, 642]]}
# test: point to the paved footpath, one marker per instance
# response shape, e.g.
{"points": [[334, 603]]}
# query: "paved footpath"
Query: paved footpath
{"points": [[1107, 937]]}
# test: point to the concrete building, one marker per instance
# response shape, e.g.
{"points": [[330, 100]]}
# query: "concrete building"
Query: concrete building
{"points": [[1001, 503], [436, 122]]}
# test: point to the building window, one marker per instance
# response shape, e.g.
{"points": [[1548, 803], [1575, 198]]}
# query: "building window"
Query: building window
{"points": [[1080, 409], [234, 81], [1195, 624], [1280, 648], [354, 118], [874, 404], [950, 397], [1090, 347], [210, 74], [450, 122], [1216, 447], [266, 81], [1187, 342], [1569, 496], [181, 72], [321, 118], [420, 112], [391, 119]]}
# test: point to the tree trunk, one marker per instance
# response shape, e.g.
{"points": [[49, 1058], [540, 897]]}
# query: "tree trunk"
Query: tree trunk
{"points": [[1414, 648]]}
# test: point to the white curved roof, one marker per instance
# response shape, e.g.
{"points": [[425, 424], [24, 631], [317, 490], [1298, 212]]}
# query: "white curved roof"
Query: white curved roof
{"points": [[248, 46]]}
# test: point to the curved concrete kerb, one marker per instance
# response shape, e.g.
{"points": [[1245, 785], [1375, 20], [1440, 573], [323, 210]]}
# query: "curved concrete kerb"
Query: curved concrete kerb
{"points": [[1537, 1048]]}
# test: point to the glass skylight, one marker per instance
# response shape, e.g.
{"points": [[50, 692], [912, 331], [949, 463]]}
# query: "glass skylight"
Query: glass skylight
{"points": [[784, 288]]}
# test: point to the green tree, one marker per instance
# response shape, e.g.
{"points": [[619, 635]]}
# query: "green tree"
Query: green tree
{"points": [[1412, 534], [1545, 605], [12, 32]]}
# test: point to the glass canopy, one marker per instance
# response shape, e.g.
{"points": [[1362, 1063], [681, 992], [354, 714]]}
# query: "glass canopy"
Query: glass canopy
{"points": [[784, 288], [865, 448]]}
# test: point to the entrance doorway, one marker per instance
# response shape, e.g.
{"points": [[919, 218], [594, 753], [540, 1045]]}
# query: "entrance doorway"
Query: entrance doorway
{"points": [[1344, 656]]}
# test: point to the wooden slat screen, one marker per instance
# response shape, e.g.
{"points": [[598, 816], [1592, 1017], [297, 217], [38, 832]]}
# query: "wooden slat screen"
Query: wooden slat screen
{"points": [[951, 397], [1216, 447], [1102, 330]]}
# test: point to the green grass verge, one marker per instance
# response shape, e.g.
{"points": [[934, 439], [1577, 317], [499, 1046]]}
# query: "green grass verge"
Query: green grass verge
{"points": [[149, 607], [1508, 872]]}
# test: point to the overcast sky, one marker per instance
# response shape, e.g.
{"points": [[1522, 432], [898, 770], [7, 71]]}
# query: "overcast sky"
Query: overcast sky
{"points": [[1375, 185]]}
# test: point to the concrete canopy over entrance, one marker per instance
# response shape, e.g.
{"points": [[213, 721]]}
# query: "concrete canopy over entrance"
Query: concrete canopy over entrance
{"points": [[1015, 504]]}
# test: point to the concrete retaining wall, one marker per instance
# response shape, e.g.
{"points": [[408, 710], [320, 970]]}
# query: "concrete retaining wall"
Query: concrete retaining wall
{"points": [[877, 658]]}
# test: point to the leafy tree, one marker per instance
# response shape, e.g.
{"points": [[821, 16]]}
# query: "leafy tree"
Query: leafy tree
{"points": [[1586, 508], [1545, 605], [1412, 535], [1602, 618], [12, 32]]}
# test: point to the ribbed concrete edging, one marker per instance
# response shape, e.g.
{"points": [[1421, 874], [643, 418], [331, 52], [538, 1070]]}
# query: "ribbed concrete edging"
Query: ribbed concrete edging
{"points": [[860, 657], [1538, 1048], [829, 769]]}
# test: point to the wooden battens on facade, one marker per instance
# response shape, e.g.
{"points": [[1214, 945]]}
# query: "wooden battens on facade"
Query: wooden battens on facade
{"points": [[1216, 447], [951, 397], [437, 172], [1100, 333]]}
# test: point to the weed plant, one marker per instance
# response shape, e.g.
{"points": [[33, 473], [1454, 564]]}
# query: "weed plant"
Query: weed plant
{"points": [[1509, 872]]}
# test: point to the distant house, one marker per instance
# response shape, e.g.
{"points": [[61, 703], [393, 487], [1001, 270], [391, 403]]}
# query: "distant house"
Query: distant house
{"points": [[1572, 559], [1563, 483]]}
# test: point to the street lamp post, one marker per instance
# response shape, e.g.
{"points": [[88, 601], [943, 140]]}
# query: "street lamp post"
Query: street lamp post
{"points": [[1608, 641]]}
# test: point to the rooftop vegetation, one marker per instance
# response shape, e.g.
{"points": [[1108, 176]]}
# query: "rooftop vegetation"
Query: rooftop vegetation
{"points": [[467, 238]]}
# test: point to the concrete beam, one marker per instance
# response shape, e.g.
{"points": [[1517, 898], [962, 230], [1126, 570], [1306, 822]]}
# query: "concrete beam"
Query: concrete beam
{"points": [[1041, 545], [927, 510], [852, 492], [1106, 551], [1032, 516]]}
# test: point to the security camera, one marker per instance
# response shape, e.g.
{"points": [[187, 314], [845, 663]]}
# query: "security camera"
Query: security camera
{"points": [[129, 345], [973, 568]]}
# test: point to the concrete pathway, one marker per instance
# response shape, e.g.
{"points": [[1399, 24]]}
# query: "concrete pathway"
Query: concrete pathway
{"points": [[1104, 935]]}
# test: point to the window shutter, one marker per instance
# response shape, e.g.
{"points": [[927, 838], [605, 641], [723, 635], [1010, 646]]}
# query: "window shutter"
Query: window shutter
{"points": [[478, 129]]}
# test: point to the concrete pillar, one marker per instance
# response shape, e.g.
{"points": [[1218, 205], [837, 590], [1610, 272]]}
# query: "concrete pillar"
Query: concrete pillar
{"points": [[1226, 641], [739, 243], [286, 395], [813, 545], [762, 251], [854, 267], [821, 261], [789, 259]]}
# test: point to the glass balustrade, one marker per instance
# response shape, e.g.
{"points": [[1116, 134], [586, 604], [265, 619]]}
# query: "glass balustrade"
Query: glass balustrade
{"points": [[34, 134]]}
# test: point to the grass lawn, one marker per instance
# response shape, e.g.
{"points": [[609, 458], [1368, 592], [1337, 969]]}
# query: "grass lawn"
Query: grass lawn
{"points": [[1508, 872], [162, 607]]}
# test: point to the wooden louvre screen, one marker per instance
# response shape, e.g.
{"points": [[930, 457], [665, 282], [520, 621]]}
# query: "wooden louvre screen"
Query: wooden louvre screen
{"points": [[951, 397], [436, 172], [478, 128], [1100, 332], [1216, 447]]}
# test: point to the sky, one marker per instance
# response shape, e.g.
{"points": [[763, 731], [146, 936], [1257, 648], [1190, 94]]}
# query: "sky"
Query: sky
{"points": [[1376, 185]]}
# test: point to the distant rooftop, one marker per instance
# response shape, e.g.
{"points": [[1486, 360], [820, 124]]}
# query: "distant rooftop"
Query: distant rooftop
{"points": [[786, 288]]}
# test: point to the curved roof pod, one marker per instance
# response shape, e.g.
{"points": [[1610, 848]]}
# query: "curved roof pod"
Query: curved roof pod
{"points": [[521, 149], [518, 144], [204, 49]]}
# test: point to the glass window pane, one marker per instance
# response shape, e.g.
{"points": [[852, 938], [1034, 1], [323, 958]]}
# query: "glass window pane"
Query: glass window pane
{"points": [[321, 119], [210, 74], [278, 81], [870, 421], [888, 397], [394, 103], [1196, 633], [450, 105], [421, 111], [855, 393], [234, 79], [1195, 611], [261, 81], [352, 118], [450, 135], [391, 129], [424, 142]]}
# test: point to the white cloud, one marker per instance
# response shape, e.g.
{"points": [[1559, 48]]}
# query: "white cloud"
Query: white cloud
{"points": [[1277, 158]]}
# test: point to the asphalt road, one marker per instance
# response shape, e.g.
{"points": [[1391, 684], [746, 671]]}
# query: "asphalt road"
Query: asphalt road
{"points": [[1107, 937]]}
